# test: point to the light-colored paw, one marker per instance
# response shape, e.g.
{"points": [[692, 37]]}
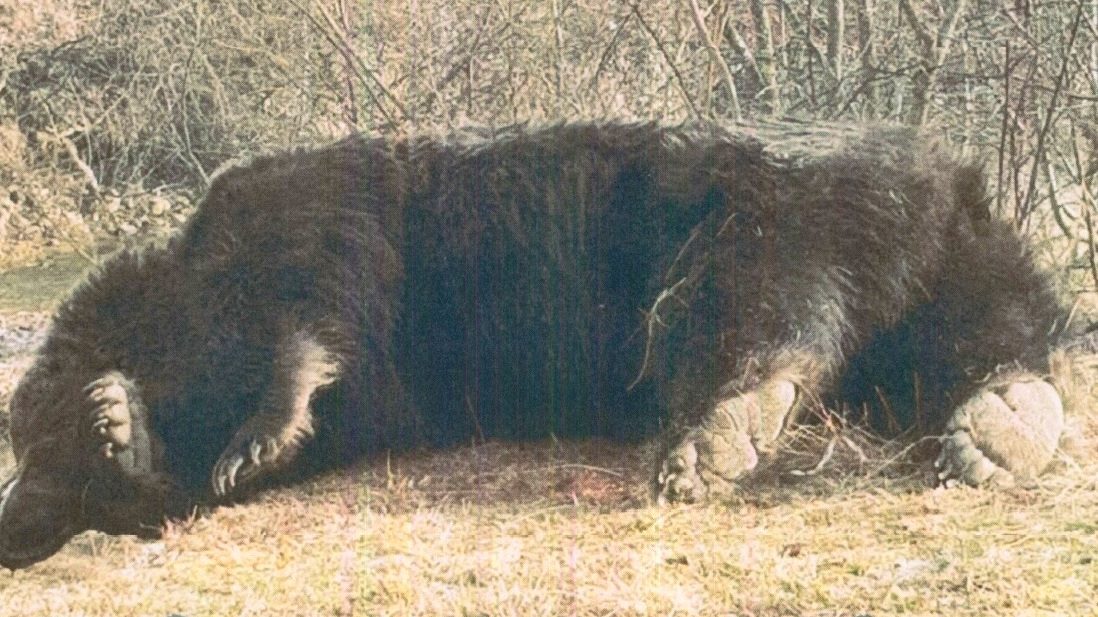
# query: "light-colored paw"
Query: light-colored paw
{"points": [[117, 425], [110, 423], [725, 445], [1005, 433]]}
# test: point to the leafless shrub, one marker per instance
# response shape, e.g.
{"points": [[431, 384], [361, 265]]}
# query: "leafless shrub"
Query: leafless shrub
{"points": [[143, 95]]}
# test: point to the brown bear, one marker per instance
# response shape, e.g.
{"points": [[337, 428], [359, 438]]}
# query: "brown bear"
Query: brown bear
{"points": [[589, 278]]}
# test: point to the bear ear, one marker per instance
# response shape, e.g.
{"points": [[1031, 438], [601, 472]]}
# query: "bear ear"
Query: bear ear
{"points": [[39, 512]]}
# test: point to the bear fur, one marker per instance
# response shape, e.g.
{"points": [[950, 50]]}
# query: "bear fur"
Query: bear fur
{"points": [[575, 279]]}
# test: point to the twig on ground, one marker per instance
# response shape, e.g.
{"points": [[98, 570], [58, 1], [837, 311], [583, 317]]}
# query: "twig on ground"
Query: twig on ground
{"points": [[829, 451]]}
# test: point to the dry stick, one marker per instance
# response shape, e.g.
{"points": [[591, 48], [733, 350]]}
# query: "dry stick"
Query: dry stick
{"points": [[739, 45], [74, 154], [765, 61], [1090, 244], [603, 470], [678, 256], [867, 54], [862, 458], [70, 148], [1008, 71], [667, 58], [469, 51], [795, 22], [76, 246], [715, 54], [1071, 313], [558, 48], [363, 74], [651, 322], [350, 103], [1058, 209], [811, 68], [921, 31], [1040, 149], [475, 418], [187, 119], [886, 407], [1012, 143], [835, 36], [653, 316], [1021, 30], [349, 53], [707, 86], [1015, 158], [1088, 207], [829, 451], [935, 51], [902, 454], [610, 47]]}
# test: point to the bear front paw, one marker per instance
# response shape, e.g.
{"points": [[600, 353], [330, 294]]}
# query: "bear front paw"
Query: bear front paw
{"points": [[704, 464], [262, 445], [725, 445], [1007, 431], [110, 424]]}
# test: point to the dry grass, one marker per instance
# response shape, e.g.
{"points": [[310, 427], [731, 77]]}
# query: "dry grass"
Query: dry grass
{"points": [[564, 528], [551, 529]]}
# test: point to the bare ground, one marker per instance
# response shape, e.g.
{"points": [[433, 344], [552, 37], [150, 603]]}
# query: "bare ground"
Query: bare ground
{"points": [[844, 524]]}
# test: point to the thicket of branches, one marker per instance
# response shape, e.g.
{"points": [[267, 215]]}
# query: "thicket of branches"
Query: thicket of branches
{"points": [[132, 95]]}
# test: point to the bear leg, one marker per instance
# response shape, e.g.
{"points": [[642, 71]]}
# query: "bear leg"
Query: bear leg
{"points": [[726, 443], [1006, 432], [273, 436]]}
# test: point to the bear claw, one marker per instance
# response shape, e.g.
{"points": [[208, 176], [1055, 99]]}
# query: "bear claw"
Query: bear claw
{"points": [[110, 421], [678, 479], [242, 461]]}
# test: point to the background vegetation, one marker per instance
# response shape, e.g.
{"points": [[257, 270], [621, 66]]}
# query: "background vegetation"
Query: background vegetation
{"points": [[114, 114]]}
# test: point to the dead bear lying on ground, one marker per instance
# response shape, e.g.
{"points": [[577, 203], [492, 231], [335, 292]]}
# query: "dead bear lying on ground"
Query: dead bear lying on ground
{"points": [[573, 279]]}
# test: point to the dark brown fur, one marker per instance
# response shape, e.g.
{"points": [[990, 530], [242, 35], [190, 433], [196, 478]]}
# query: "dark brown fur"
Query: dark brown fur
{"points": [[384, 292]]}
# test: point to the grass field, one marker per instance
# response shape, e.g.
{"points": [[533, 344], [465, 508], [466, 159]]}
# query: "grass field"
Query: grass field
{"points": [[565, 528]]}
